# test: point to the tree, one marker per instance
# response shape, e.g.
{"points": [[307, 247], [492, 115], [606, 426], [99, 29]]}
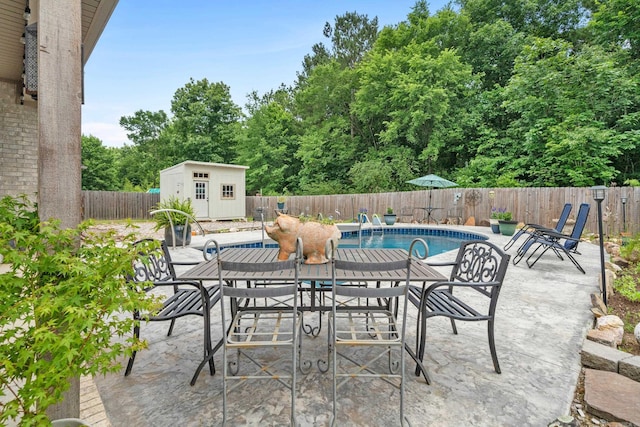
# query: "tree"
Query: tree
{"points": [[98, 171], [268, 145], [538, 18], [615, 22], [352, 36], [206, 122], [410, 97], [569, 102]]}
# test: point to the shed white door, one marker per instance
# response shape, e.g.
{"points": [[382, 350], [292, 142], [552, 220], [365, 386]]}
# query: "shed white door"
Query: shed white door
{"points": [[201, 202]]}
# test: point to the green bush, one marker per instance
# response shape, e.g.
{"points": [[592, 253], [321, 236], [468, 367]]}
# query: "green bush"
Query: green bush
{"points": [[62, 301]]}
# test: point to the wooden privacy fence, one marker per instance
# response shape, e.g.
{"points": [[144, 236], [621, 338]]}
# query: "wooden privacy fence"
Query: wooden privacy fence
{"points": [[529, 205], [117, 205]]}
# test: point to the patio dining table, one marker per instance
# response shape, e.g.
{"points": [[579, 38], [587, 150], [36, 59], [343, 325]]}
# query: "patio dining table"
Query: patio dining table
{"points": [[208, 270], [315, 274]]}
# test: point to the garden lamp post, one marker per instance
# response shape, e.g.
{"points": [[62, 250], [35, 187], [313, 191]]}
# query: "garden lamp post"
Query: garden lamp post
{"points": [[599, 192], [624, 214]]}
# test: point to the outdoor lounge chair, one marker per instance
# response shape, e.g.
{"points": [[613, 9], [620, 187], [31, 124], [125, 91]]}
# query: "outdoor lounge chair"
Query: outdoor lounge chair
{"points": [[530, 229], [186, 297], [559, 243], [479, 266]]}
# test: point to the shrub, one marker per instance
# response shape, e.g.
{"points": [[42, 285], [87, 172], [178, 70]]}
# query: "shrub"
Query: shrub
{"points": [[62, 302]]}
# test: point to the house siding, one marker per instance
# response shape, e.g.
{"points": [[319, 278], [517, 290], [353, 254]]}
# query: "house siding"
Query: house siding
{"points": [[18, 143]]}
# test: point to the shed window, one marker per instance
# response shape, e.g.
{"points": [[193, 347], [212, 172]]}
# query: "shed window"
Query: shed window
{"points": [[201, 190], [228, 191], [201, 175]]}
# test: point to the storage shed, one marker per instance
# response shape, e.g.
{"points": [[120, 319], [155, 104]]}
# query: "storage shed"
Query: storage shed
{"points": [[217, 191]]}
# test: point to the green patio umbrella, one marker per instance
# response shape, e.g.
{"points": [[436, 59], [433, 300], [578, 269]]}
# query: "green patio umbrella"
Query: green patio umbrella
{"points": [[432, 181]]}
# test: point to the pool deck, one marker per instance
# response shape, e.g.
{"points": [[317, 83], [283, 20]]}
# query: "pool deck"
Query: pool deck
{"points": [[542, 319]]}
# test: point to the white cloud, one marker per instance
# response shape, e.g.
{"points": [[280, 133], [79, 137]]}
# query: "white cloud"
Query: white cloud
{"points": [[111, 135]]}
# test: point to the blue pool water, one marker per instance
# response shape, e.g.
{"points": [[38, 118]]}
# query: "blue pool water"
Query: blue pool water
{"points": [[437, 244], [438, 240]]}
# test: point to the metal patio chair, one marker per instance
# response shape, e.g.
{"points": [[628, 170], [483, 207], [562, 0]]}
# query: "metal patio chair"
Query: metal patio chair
{"points": [[155, 267], [530, 229], [369, 321], [479, 266], [559, 243], [263, 319]]}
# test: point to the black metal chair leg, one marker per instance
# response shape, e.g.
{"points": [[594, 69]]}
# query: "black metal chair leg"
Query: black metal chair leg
{"points": [[136, 334], [492, 346], [173, 322]]}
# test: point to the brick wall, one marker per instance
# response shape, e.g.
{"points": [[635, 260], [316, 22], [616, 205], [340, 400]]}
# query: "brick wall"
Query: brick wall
{"points": [[18, 143]]}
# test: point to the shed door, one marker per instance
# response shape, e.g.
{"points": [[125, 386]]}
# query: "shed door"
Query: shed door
{"points": [[201, 202]]}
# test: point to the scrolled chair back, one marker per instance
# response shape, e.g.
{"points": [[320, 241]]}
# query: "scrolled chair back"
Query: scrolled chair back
{"points": [[479, 261], [151, 265]]}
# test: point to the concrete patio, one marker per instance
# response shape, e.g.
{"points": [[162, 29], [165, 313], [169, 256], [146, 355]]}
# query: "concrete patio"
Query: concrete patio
{"points": [[542, 319]]}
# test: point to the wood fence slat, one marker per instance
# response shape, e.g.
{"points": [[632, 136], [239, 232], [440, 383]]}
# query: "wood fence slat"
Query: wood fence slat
{"points": [[532, 205], [539, 205]]}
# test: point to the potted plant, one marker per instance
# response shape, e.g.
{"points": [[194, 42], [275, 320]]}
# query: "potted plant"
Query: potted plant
{"points": [[389, 217], [174, 216], [281, 201], [63, 295], [493, 219], [506, 224]]}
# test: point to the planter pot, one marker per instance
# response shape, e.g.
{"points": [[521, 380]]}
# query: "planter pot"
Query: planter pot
{"points": [[389, 219], [181, 239], [280, 205], [507, 228], [495, 226]]}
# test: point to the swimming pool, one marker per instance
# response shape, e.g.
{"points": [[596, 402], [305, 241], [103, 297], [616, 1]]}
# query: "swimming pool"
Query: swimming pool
{"points": [[438, 240]]}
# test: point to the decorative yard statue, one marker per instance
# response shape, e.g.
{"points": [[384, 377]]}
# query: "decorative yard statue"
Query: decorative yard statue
{"points": [[286, 229]]}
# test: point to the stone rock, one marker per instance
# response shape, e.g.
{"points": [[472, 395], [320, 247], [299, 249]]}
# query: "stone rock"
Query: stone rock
{"points": [[597, 312], [286, 230], [597, 302], [483, 223], [620, 261], [636, 332], [612, 249], [609, 277], [611, 323], [611, 396], [630, 367], [613, 267], [471, 221], [605, 337], [601, 357]]}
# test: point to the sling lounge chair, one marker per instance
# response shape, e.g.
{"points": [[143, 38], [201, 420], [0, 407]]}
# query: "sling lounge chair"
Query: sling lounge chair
{"points": [[559, 243], [530, 229]]}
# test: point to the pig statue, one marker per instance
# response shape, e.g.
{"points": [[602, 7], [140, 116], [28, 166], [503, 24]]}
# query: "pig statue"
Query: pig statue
{"points": [[286, 229]]}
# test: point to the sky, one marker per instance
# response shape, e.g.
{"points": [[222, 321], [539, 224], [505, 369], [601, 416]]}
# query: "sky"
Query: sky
{"points": [[151, 48]]}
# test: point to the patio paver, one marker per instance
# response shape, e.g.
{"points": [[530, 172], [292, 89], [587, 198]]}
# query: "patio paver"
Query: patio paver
{"points": [[542, 319]]}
